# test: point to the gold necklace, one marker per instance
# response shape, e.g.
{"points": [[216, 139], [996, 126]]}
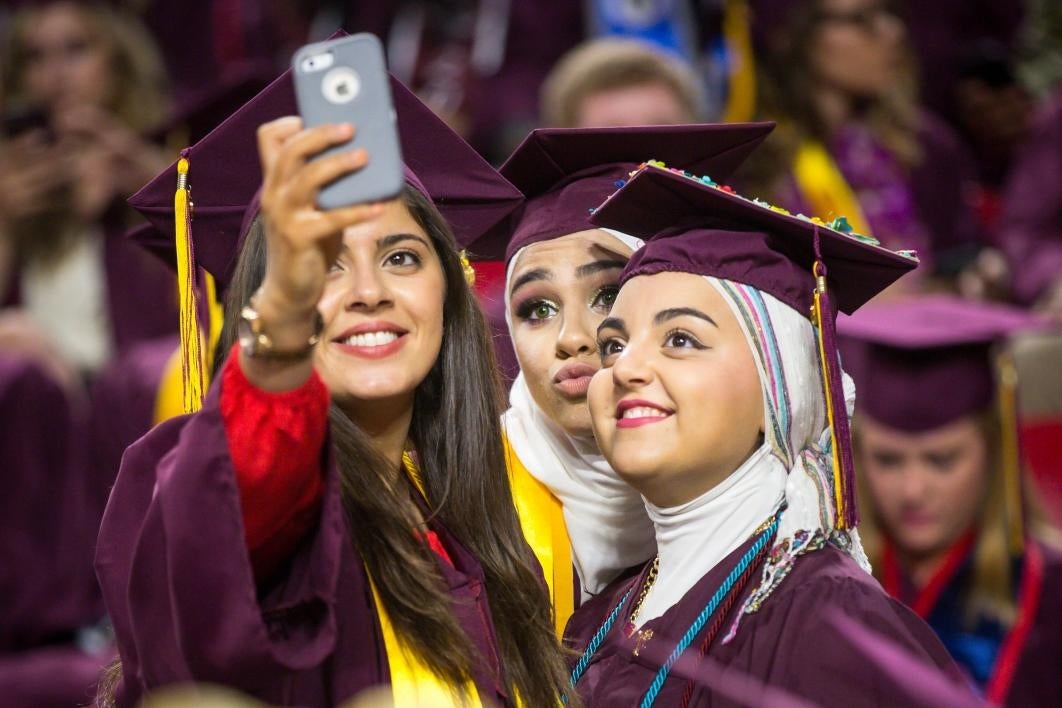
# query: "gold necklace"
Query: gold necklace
{"points": [[650, 578]]}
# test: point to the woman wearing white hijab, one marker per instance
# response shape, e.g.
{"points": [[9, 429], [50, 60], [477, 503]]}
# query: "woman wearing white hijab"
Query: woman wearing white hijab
{"points": [[721, 400], [584, 523]]}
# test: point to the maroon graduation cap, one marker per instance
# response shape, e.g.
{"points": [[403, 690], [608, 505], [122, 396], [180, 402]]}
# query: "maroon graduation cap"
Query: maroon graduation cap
{"points": [[926, 362], [747, 241], [224, 176], [695, 225], [200, 207], [564, 172]]}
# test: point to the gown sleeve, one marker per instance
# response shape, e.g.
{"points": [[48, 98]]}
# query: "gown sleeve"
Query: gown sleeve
{"points": [[176, 570], [275, 442]]}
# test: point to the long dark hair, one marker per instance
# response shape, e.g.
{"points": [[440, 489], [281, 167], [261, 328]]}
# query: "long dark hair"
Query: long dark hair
{"points": [[785, 94], [456, 432]]}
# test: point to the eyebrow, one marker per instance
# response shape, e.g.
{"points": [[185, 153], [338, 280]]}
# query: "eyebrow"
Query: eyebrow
{"points": [[588, 269], [529, 277], [612, 323], [673, 312], [388, 241]]}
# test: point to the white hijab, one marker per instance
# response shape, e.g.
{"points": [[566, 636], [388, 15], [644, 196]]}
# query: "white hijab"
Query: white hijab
{"points": [[793, 466], [606, 519]]}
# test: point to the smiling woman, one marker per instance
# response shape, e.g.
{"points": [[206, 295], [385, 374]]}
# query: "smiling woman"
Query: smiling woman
{"points": [[338, 514], [721, 400], [560, 284]]}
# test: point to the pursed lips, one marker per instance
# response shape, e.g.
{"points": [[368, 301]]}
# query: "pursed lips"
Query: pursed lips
{"points": [[573, 380]]}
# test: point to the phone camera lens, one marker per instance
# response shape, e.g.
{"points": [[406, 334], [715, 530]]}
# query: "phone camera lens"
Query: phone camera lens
{"points": [[341, 85]]}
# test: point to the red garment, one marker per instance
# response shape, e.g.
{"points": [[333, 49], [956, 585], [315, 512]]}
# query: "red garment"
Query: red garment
{"points": [[275, 442]]}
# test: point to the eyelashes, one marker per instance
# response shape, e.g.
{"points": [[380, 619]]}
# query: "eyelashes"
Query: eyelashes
{"points": [[404, 258], [681, 339], [536, 310], [540, 309]]}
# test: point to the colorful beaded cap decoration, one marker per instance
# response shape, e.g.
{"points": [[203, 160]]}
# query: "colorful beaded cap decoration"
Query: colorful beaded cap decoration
{"points": [[839, 224]]}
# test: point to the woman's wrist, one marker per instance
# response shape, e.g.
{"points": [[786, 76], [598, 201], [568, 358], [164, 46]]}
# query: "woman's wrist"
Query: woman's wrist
{"points": [[289, 325]]}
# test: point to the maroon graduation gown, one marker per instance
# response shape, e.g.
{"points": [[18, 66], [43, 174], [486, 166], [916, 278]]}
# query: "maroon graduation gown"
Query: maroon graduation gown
{"points": [[1031, 226], [789, 643], [1025, 668], [178, 583], [47, 590], [1037, 680]]}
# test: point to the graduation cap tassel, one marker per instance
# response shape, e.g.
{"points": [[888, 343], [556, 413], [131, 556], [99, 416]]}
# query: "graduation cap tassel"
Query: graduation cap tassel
{"points": [[836, 411], [1010, 451], [192, 345]]}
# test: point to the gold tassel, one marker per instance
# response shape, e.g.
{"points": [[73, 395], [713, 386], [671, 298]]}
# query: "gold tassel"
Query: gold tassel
{"points": [[1009, 449], [192, 345], [741, 93], [838, 478]]}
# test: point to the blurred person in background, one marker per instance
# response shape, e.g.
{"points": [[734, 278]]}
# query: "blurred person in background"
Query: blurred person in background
{"points": [[80, 86], [941, 479], [852, 139], [965, 51], [619, 82], [478, 63], [601, 83], [1031, 224]]}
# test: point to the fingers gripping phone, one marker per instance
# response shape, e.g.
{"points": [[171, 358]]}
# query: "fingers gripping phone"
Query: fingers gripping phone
{"points": [[345, 81]]}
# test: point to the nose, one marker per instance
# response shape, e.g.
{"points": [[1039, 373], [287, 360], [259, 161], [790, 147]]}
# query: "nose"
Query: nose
{"points": [[368, 289], [914, 484], [631, 369], [576, 337]]}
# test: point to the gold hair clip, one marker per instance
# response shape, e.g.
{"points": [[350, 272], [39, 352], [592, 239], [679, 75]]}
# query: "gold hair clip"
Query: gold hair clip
{"points": [[466, 266]]}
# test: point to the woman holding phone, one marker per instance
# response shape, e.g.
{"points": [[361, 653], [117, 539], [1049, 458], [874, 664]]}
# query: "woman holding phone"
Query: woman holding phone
{"points": [[338, 514]]}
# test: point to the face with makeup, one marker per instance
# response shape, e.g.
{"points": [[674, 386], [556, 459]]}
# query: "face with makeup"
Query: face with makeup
{"points": [[559, 291], [926, 487], [677, 405], [383, 311]]}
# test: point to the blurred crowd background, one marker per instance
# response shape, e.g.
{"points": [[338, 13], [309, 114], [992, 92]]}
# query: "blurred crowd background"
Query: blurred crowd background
{"points": [[935, 126]]}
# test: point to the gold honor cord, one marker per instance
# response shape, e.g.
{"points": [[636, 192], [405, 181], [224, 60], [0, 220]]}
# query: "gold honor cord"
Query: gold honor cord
{"points": [[1010, 450]]}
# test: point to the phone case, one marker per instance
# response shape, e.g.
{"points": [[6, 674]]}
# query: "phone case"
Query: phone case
{"points": [[345, 80]]}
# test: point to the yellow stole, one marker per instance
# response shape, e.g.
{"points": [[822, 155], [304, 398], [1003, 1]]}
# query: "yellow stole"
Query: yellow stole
{"points": [[413, 683], [824, 188], [542, 520], [741, 96]]}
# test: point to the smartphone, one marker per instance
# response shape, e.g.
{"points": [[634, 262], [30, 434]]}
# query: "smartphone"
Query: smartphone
{"points": [[16, 121], [345, 80]]}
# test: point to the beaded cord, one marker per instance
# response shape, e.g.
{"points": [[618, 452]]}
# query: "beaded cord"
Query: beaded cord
{"points": [[708, 611], [698, 624], [595, 641]]}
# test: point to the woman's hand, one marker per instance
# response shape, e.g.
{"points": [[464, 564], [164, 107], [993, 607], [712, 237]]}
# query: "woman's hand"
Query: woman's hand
{"points": [[33, 175], [302, 241], [110, 160]]}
